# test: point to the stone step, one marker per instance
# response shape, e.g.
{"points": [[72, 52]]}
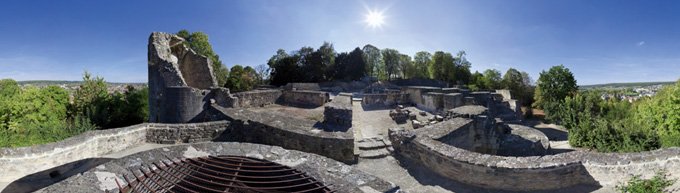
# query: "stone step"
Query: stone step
{"points": [[366, 145], [374, 153]]}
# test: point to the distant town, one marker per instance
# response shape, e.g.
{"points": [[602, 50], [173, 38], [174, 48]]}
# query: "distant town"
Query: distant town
{"points": [[71, 86], [627, 91]]}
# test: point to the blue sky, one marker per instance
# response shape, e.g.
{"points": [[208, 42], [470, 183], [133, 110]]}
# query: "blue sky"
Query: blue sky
{"points": [[600, 41]]}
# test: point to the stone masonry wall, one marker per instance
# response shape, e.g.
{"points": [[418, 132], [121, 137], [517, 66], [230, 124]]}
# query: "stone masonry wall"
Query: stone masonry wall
{"points": [[302, 86], [415, 92], [535, 172], [289, 133], [432, 101], [18, 162], [305, 98], [181, 104], [185, 133], [385, 99], [257, 98], [179, 79], [452, 100], [339, 111]]}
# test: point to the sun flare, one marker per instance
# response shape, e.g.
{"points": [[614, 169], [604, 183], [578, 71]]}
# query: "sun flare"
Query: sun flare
{"points": [[375, 19]]}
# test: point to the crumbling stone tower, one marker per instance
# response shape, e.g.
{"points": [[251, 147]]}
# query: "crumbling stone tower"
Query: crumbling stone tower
{"points": [[179, 80]]}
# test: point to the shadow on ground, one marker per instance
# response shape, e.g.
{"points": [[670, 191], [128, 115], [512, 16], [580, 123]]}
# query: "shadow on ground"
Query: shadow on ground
{"points": [[552, 133], [50, 176], [377, 107], [426, 176]]}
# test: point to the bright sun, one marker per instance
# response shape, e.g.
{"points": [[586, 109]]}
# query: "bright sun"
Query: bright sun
{"points": [[375, 19]]}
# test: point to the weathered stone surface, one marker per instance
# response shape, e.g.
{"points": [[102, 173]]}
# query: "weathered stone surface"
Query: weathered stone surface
{"points": [[326, 170], [429, 147], [415, 92], [303, 98], [302, 86], [432, 101], [524, 141], [385, 99], [452, 100], [289, 132], [399, 115], [178, 79], [185, 133], [257, 98], [339, 111], [468, 111]]}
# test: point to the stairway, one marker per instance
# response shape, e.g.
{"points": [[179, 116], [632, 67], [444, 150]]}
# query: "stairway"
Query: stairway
{"points": [[374, 148]]}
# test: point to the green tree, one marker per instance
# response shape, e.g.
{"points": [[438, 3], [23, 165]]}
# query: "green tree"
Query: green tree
{"points": [[406, 66], [87, 96], [421, 62], [198, 41], [327, 54], [312, 65], [553, 86], [662, 114], [520, 85], [241, 79], [441, 66], [357, 65], [492, 79], [8, 88], [391, 57], [477, 81], [461, 69], [374, 62]]}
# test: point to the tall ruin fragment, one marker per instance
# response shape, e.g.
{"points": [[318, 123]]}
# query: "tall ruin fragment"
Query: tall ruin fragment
{"points": [[179, 80]]}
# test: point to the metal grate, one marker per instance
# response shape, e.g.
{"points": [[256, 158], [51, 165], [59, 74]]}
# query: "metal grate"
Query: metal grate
{"points": [[220, 174]]}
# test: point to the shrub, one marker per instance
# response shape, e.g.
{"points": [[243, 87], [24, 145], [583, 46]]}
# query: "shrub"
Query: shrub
{"points": [[638, 185]]}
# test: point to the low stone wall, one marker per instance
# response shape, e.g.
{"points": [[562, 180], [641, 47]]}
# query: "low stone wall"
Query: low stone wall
{"points": [[342, 177], [18, 162], [432, 101], [452, 100], [302, 86], [289, 132], [385, 99], [339, 111], [257, 98], [184, 133], [415, 92], [305, 98], [548, 172]]}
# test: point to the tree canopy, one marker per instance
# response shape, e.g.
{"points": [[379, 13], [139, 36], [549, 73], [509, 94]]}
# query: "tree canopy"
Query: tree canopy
{"points": [[554, 85], [198, 41]]}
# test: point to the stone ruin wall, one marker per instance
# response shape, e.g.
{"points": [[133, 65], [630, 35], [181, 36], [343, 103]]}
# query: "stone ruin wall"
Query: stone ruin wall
{"points": [[179, 80], [18, 162], [305, 98], [185, 133], [288, 132], [302, 86], [432, 101], [534, 172], [257, 98], [339, 111], [385, 99]]}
